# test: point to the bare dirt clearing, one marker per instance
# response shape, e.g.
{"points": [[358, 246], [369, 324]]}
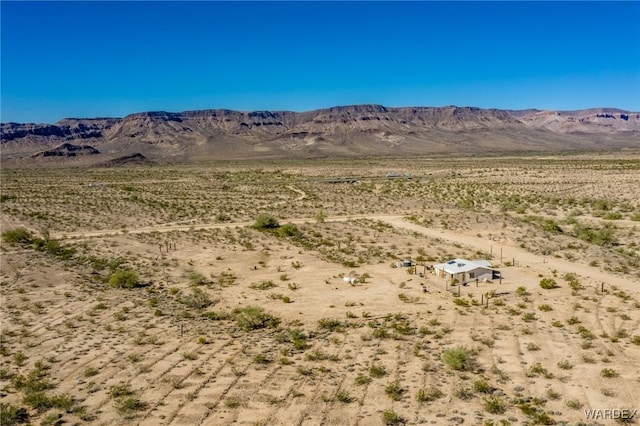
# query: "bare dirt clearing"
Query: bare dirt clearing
{"points": [[227, 323]]}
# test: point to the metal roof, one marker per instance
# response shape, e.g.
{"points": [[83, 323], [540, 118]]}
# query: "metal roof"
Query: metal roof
{"points": [[456, 266]]}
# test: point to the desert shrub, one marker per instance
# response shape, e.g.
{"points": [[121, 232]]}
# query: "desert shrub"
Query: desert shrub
{"points": [[17, 236], [128, 405], [330, 324], [34, 381], [216, 316], [377, 370], [551, 226], [316, 355], [482, 386], [522, 291], [263, 285], [408, 299], [537, 369], [225, 279], [254, 318], [429, 395], [394, 391], [39, 401], [460, 301], [198, 299], [361, 379], [196, 278], [604, 236], [123, 278], [288, 230], [536, 414], [574, 404], [344, 396], [90, 371], [573, 320], [609, 373], [266, 221], [548, 283], [391, 418], [13, 415], [119, 391], [463, 392], [53, 248], [494, 405], [233, 401], [261, 359], [532, 347], [459, 358], [565, 365], [585, 333], [545, 308]]}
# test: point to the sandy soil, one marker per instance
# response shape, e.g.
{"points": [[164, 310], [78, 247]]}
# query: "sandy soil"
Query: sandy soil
{"points": [[175, 351]]}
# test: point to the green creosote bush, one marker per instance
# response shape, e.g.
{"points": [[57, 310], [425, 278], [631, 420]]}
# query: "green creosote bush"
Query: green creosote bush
{"points": [[254, 318], [266, 221], [124, 278], [330, 324], [13, 415], [394, 391], [459, 358], [429, 395], [609, 373], [548, 283], [494, 405], [377, 370], [17, 236], [391, 418]]}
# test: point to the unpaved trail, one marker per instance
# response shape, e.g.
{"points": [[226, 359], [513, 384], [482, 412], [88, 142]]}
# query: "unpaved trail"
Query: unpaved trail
{"points": [[183, 225], [542, 264], [537, 263]]}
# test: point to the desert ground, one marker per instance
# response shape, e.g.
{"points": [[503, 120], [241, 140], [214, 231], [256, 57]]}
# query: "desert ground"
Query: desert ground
{"points": [[215, 293]]}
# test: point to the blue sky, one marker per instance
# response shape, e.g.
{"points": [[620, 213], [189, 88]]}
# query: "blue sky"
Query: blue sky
{"points": [[88, 59]]}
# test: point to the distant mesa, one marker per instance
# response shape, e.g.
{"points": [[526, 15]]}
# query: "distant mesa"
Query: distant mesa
{"points": [[68, 150], [341, 131]]}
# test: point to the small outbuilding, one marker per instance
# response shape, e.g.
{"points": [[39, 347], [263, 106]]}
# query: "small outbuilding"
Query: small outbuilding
{"points": [[462, 270]]}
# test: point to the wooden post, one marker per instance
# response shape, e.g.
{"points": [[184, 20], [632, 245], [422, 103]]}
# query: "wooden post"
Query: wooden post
{"points": [[602, 288], [476, 282], [482, 299], [500, 254], [460, 285], [500, 279]]}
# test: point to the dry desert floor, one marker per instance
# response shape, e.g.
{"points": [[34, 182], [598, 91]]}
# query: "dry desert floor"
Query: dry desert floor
{"points": [[215, 294]]}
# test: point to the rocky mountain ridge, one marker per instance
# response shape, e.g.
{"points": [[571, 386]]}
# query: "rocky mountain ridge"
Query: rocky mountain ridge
{"points": [[337, 131]]}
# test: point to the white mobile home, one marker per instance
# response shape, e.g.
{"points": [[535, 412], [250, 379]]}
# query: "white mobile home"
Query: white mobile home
{"points": [[462, 271]]}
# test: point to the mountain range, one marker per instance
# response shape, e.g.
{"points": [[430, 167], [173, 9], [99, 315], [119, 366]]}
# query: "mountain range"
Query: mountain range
{"points": [[356, 130]]}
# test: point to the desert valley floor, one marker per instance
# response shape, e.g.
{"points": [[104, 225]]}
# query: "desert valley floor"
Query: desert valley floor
{"points": [[215, 294]]}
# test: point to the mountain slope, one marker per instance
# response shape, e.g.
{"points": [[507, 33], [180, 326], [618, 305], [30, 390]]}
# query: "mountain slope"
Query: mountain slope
{"points": [[338, 131]]}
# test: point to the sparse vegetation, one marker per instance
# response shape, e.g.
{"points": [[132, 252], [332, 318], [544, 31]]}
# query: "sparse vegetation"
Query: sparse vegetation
{"points": [[459, 358], [205, 324], [124, 278], [548, 283]]}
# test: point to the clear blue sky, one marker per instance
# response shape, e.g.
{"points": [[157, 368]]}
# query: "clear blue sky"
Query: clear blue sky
{"points": [[88, 59]]}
